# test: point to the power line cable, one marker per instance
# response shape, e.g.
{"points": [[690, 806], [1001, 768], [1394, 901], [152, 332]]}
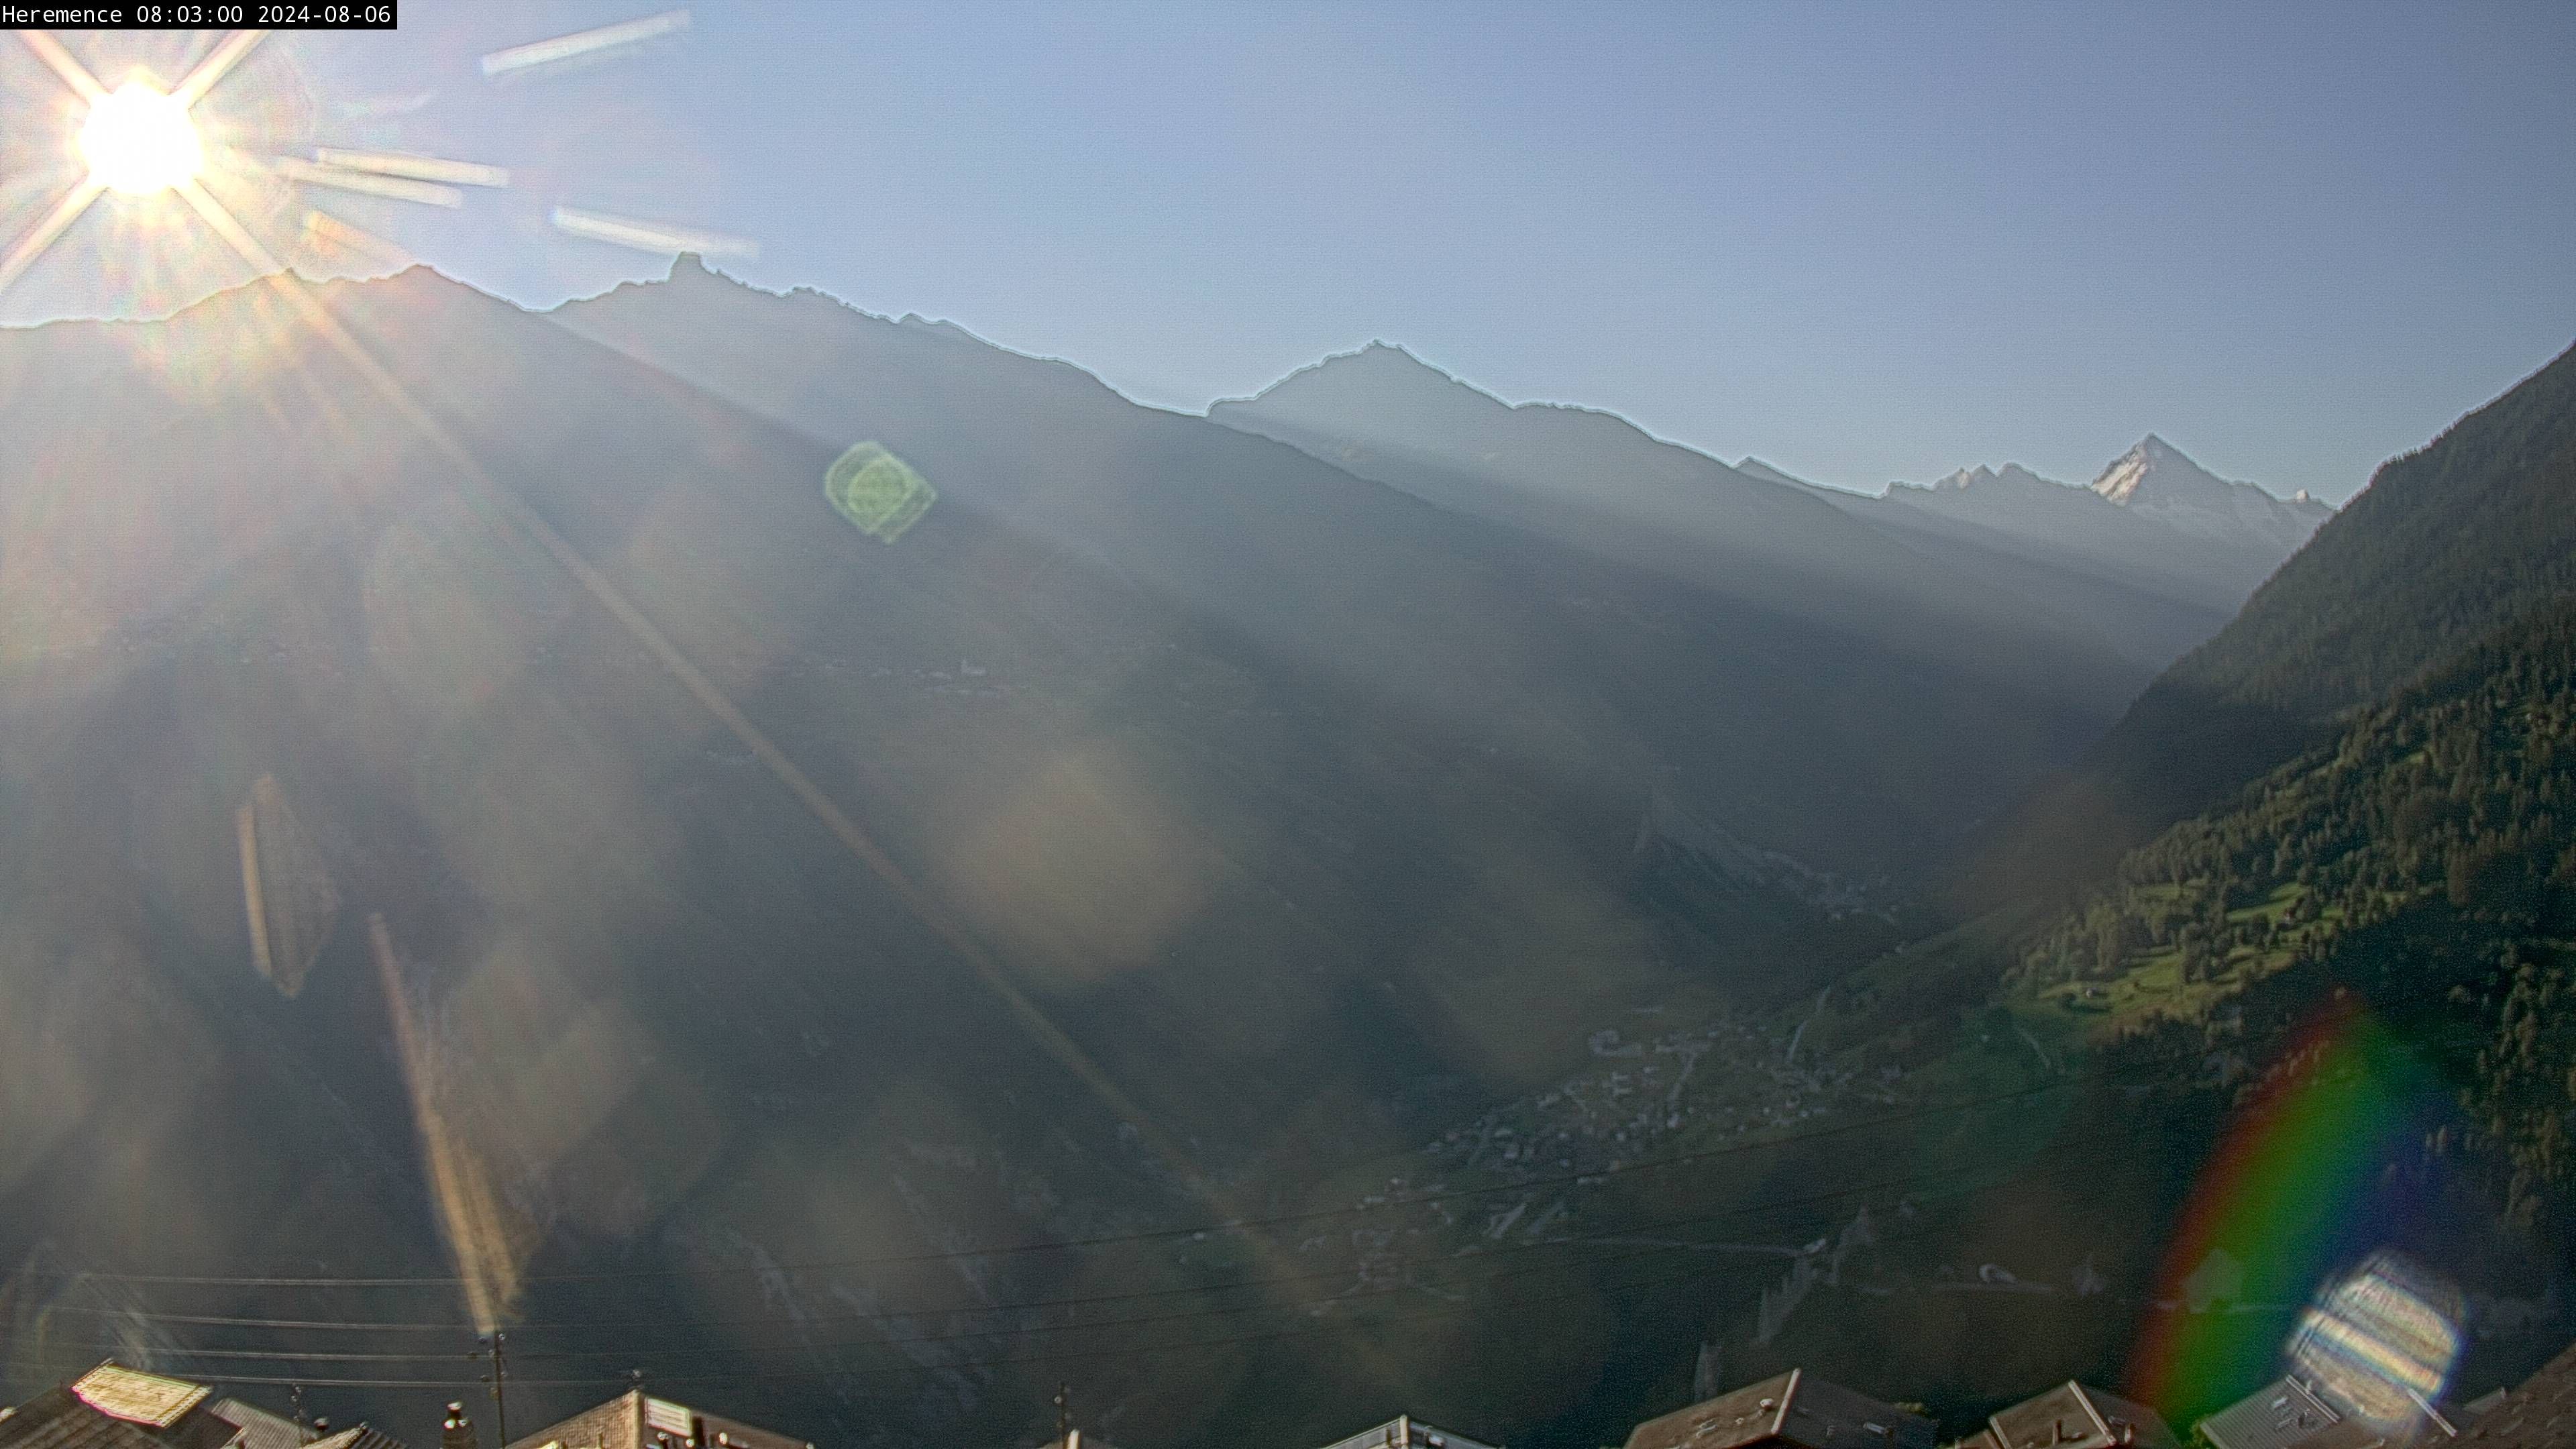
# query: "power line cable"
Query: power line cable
{"points": [[1163, 1347], [1745, 1210]]}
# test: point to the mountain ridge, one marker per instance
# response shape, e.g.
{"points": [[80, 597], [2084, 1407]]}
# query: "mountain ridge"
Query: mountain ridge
{"points": [[1173, 503], [1596, 481], [2136, 589], [2447, 543]]}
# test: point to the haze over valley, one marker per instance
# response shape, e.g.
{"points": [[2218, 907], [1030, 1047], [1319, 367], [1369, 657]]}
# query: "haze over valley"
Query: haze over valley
{"points": [[819, 864]]}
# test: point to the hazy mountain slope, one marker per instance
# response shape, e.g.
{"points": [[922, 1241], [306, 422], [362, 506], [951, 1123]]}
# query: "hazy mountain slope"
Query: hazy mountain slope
{"points": [[2013, 574], [2156, 583], [1283, 911], [1594, 480], [1795, 715], [1760, 471], [676, 1022], [2446, 545]]}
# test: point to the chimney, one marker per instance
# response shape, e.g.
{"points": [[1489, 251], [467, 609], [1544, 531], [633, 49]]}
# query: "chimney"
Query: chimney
{"points": [[458, 1431]]}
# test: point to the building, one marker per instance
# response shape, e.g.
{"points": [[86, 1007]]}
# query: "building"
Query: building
{"points": [[2073, 1416], [2541, 1412], [2282, 1415], [261, 1429], [115, 1407], [1407, 1432], [636, 1420], [2293, 1414], [1794, 1410]]}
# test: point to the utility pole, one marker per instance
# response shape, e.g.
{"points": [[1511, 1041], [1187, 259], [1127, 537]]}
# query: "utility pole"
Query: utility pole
{"points": [[1063, 1412], [500, 1399]]}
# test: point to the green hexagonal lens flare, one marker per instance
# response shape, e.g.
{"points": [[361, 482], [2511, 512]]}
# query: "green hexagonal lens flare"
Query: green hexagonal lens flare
{"points": [[878, 491]]}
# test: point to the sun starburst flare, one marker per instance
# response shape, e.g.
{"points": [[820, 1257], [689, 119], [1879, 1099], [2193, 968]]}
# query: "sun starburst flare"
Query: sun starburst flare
{"points": [[143, 142], [259, 186], [140, 142]]}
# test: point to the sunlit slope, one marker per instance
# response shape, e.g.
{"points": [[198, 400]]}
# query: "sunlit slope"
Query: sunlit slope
{"points": [[2449, 807], [1798, 705], [2447, 544]]}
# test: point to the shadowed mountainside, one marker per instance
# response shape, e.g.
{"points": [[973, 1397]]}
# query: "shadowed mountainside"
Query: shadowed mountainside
{"points": [[670, 876], [1793, 714]]}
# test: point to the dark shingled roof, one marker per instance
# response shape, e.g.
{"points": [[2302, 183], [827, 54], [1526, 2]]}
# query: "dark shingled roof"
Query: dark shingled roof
{"points": [[63, 1418], [2539, 1415], [362, 1437], [2282, 1414], [636, 1420], [1401, 1432], [1791, 1410], [2072, 1416], [260, 1428]]}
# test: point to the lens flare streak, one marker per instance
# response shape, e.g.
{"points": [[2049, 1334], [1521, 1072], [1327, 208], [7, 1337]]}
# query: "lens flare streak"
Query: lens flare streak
{"points": [[645, 236], [412, 167], [582, 43], [219, 62], [44, 233], [296, 168], [74, 74], [235, 235], [323, 231], [470, 1215]]}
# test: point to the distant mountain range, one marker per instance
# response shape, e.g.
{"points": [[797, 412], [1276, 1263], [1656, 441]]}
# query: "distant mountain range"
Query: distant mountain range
{"points": [[1769, 658], [2148, 562], [2448, 544], [2153, 480]]}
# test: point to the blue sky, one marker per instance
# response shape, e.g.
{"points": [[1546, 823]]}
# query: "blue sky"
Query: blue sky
{"points": [[1862, 241]]}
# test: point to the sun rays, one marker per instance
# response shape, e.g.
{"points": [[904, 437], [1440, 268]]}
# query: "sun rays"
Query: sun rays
{"points": [[234, 151], [149, 146], [136, 139]]}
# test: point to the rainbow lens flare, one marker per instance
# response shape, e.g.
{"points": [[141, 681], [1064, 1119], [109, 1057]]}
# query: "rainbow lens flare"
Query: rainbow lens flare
{"points": [[2379, 1344], [2291, 1190]]}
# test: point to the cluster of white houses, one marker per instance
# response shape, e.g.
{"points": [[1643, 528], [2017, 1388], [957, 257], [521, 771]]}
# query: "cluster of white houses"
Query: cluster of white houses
{"points": [[115, 1407]]}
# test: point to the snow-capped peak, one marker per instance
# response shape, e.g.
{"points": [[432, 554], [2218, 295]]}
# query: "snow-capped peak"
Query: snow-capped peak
{"points": [[2155, 480], [2010, 475], [2157, 468]]}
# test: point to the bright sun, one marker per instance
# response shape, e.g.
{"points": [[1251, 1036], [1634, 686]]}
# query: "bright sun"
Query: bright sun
{"points": [[140, 142]]}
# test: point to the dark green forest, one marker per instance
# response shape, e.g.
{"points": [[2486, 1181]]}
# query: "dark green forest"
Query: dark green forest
{"points": [[2426, 860]]}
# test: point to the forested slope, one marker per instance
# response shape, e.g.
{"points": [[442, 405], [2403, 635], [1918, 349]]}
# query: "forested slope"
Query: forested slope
{"points": [[2424, 863], [2446, 545]]}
